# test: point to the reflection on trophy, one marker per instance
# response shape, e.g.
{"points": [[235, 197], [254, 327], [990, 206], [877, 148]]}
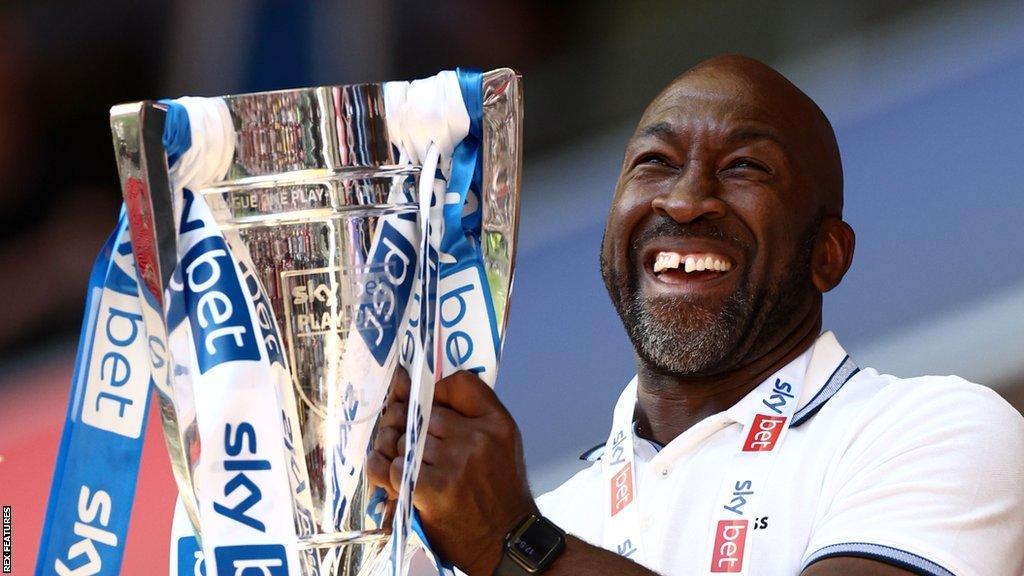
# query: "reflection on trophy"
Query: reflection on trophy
{"points": [[317, 207]]}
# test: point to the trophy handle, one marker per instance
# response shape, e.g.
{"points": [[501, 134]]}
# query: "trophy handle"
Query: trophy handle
{"points": [[137, 130], [502, 178]]}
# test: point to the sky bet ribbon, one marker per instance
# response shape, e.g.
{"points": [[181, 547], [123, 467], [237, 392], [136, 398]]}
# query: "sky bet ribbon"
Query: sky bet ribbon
{"points": [[226, 348], [469, 324], [426, 120], [98, 461], [441, 119]]}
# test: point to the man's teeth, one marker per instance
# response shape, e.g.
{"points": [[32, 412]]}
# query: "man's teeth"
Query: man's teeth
{"points": [[691, 262], [666, 260]]}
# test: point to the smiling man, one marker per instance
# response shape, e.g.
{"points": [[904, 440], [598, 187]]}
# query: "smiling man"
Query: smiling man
{"points": [[749, 441]]}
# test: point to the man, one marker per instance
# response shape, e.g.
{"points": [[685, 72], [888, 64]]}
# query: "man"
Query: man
{"points": [[748, 442]]}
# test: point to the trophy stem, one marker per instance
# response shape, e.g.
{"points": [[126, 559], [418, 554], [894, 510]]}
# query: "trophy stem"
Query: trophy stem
{"points": [[337, 539]]}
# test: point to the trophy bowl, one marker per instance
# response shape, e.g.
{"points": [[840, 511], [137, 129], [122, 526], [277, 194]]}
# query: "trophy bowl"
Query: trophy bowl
{"points": [[312, 205]]}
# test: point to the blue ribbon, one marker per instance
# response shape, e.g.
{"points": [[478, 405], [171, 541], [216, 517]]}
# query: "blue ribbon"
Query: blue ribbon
{"points": [[177, 137], [105, 463], [461, 236], [462, 232], [96, 471]]}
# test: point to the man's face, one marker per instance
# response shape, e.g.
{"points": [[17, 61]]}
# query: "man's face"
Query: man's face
{"points": [[713, 183]]}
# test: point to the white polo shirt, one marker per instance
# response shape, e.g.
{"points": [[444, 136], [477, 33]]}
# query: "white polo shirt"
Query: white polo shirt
{"points": [[923, 473]]}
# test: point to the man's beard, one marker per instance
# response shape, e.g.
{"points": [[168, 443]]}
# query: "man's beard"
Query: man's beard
{"points": [[677, 337]]}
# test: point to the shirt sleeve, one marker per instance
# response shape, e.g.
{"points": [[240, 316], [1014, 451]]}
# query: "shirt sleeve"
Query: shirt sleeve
{"points": [[930, 479], [575, 505]]}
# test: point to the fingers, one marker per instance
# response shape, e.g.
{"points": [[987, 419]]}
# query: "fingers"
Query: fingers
{"points": [[400, 385], [386, 448], [384, 464], [435, 451], [465, 393], [400, 447], [390, 429], [394, 415], [444, 422], [386, 443], [378, 469], [395, 472], [457, 399], [389, 443], [386, 471], [432, 482]]}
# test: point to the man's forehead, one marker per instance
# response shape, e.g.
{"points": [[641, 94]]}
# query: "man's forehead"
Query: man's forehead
{"points": [[682, 112], [729, 88]]}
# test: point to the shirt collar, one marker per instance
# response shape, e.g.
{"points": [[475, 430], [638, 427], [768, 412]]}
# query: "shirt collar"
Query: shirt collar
{"points": [[830, 367], [825, 367], [796, 368], [817, 364]]}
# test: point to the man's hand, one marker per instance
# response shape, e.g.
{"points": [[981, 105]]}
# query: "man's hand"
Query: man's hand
{"points": [[472, 487]]}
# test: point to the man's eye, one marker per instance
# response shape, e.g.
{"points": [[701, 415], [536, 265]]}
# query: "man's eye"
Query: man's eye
{"points": [[652, 159], [747, 163]]}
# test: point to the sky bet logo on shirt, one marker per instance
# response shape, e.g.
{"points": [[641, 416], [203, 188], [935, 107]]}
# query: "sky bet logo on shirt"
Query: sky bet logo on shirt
{"points": [[622, 489], [730, 539], [731, 535], [764, 433], [622, 482], [765, 430]]}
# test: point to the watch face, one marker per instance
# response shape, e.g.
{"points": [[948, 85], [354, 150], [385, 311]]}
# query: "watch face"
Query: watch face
{"points": [[537, 544]]}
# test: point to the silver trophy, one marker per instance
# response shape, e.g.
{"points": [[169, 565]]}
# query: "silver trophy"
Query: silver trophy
{"points": [[313, 178]]}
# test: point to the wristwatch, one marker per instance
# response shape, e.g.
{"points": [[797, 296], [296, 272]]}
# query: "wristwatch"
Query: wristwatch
{"points": [[531, 547]]}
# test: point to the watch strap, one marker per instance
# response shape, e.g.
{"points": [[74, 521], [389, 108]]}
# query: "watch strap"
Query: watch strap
{"points": [[508, 567]]}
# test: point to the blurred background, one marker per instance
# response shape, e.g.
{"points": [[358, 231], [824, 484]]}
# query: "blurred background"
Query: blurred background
{"points": [[925, 97]]}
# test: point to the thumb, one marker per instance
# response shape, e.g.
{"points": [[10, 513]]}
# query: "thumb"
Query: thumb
{"points": [[465, 393]]}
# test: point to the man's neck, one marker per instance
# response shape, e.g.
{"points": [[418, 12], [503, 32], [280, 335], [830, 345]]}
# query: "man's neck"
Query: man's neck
{"points": [[669, 405]]}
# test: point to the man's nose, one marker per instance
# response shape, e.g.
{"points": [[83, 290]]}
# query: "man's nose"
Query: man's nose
{"points": [[692, 196]]}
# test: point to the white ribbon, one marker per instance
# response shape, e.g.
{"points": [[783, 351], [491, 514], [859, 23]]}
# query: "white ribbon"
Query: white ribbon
{"points": [[426, 119], [223, 357], [213, 144], [424, 113]]}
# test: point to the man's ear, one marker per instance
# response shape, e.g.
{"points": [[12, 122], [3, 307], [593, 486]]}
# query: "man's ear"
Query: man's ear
{"points": [[832, 254]]}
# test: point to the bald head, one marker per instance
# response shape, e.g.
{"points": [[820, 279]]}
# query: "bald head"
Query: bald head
{"points": [[771, 97]]}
